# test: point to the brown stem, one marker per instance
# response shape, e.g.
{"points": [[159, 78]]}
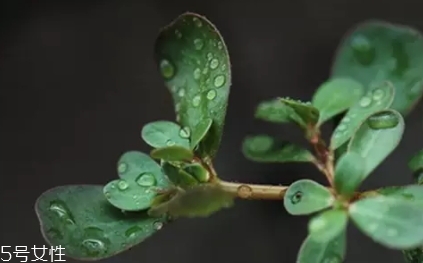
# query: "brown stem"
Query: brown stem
{"points": [[254, 191]]}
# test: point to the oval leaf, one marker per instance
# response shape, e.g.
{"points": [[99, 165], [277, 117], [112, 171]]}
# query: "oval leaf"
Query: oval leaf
{"points": [[393, 222], [140, 177], [376, 51], [349, 173], [336, 96], [194, 63], [178, 176], [306, 114], [312, 251], [198, 201], [263, 148], [172, 153], [374, 101], [79, 218], [274, 111], [198, 171], [306, 196], [328, 225], [200, 131], [375, 142], [160, 134]]}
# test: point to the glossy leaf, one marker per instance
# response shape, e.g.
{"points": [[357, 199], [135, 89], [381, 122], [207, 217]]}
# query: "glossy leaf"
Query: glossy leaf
{"points": [[178, 176], [307, 114], [264, 148], [139, 178], [306, 196], [194, 63], [160, 134], [79, 218], [393, 222], [374, 101], [200, 131], [172, 153], [328, 225], [410, 192], [349, 173], [375, 143], [274, 111], [199, 201], [313, 251], [376, 51], [198, 172], [336, 96]]}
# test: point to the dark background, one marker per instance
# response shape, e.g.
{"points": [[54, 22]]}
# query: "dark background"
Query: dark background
{"points": [[78, 81]]}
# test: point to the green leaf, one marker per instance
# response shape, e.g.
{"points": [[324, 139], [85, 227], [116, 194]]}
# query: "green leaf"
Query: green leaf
{"points": [[140, 176], [336, 96], [275, 111], [377, 137], [328, 225], [349, 173], [178, 176], [198, 201], [79, 218], [374, 101], [393, 222], [306, 196], [414, 255], [160, 134], [200, 131], [416, 166], [194, 62], [198, 171], [307, 114], [173, 154], [313, 251], [410, 192], [263, 148], [376, 51]]}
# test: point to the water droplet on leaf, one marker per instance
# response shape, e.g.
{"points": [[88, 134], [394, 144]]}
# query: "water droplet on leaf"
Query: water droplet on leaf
{"points": [[214, 63], [365, 102], [122, 167], [378, 94], [197, 22], [196, 101], [158, 225], [211, 94], [167, 69], [363, 50], [185, 132], [133, 231], [62, 211], [146, 179], [178, 33], [181, 92], [122, 185], [219, 80], [197, 73], [170, 143], [341, 127], [198, 43], [209, 56], [94, 247], [383, 120]]}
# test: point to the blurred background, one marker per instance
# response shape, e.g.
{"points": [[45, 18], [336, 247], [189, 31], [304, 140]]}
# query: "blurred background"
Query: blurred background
{"points": [[78, 81]]}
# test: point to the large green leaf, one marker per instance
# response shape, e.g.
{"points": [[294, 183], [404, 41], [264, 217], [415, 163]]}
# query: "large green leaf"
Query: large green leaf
{"points": [[198, 201], [410, 192], [264, 148], [275, 111], [79, 218], [336, 96], [313, 251], [377, 138], [374, 101], [160, 134], [328, 225], [376, 51], [194, 62], [391, 221], [349, 171], [306, 196], [140, 176]]}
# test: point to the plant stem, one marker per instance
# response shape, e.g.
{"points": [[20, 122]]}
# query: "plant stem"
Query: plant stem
{"points": [[254, 191]]}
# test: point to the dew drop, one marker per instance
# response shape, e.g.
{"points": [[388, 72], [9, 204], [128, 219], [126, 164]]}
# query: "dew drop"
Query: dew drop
{"points": [[341, 127], [181, 92], [122, 167], [133, 231], [209, 56], [365, 102], [196, 101], [223, 67], [198, 43], [185, 132], [205, 70], [363, 50], [296, 198], [108, 195], [211, 94], [214, 63], [146, 179], [94, 247], [219, 80], [122, 185], [178, 33], [170, 143], [378, 94], [197, 73], [62, 211], [383, 120], [346, 120], [197, 22], [167, 69], [219, 45], [158, 225], [317, 224], [244, 191]]}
